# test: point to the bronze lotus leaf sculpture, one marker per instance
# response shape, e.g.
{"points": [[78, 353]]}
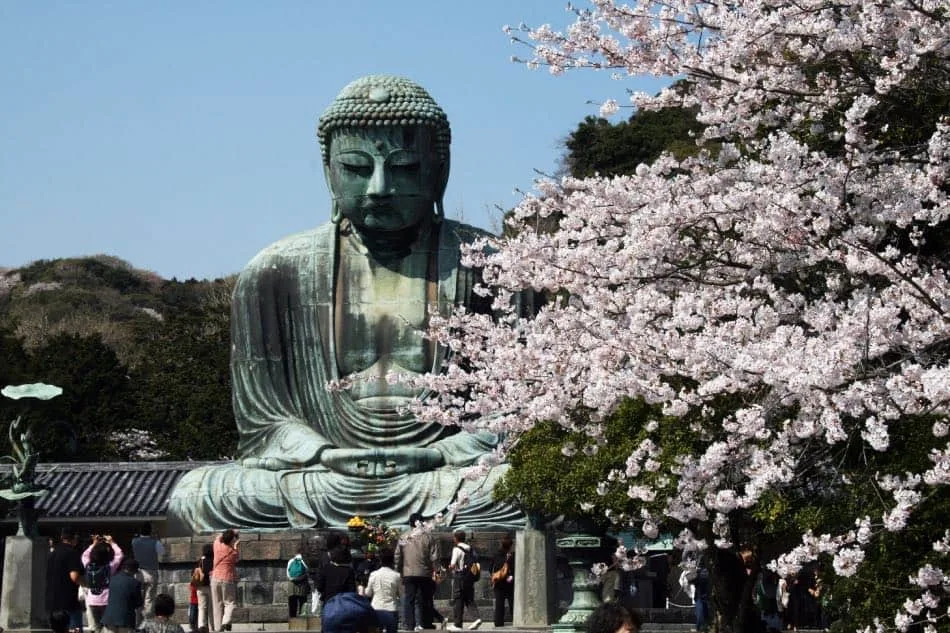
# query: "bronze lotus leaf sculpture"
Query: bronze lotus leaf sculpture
{"points": [[22, 487]]}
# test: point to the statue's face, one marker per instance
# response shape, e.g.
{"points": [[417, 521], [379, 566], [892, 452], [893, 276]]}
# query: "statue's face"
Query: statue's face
{"points": [[384, 179]]}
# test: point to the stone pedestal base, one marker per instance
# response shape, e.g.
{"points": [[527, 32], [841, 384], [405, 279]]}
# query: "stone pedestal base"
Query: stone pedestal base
{"points": [[23, 601], [534, 603]]}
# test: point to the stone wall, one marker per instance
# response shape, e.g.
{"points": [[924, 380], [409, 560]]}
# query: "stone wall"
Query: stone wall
{"points": [[263, 587]]}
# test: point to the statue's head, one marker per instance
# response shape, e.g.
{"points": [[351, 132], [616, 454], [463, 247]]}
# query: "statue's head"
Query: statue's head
{"points": [[385, 145]]}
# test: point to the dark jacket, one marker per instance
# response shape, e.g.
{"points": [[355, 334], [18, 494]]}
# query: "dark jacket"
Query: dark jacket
{"points": [[125, 596], [348, 613], [364, 568], [61, 591], [333, 579]]}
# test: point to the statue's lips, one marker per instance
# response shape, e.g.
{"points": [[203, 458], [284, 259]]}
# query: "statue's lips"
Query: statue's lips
{"points": [[389, 216], [378, 209], [388, 204]]}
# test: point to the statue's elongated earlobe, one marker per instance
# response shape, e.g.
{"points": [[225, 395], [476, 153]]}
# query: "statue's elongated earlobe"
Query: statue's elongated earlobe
{"points": [[439, 211], [336, 215]]}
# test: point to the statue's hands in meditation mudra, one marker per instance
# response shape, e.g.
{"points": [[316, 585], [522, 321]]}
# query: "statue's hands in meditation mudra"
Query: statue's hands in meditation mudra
{"points": [[349, 301]]}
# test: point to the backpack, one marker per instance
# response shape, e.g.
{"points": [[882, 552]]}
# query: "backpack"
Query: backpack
{"points": [[471, 568], [297, 569], [97, 578], [348, 613]]}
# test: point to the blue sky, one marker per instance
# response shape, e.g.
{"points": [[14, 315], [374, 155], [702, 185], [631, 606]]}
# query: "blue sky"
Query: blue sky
{"points": [[180, 135]]}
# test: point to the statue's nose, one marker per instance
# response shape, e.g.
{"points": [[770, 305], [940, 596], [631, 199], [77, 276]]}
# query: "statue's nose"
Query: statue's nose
{"points": [[379, 182]]}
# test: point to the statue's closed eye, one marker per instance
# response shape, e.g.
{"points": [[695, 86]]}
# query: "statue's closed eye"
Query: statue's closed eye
{"points": [[355, 162], [359, 170], [404, 159]]}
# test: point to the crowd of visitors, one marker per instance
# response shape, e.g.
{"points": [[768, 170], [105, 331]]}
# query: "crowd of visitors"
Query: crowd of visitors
{"points": [[393, 585], [116, 592], [398, 584]]}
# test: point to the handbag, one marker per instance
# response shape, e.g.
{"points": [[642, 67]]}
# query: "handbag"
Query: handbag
{"points": [[500, 575]]}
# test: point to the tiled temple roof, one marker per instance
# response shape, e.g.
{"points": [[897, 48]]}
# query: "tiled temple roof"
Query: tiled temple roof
{"points": [[119, 490]]}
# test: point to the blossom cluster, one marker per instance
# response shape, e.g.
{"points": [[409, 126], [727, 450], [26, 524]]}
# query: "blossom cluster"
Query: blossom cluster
{"points": [[792, 261], [136, 445]]}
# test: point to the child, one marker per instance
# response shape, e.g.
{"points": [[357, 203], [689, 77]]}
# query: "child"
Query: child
{"points": [[193, 608], [164, 608]]}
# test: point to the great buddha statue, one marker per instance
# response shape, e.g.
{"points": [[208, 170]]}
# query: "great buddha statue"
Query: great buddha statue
{"points": [[350, 301]]}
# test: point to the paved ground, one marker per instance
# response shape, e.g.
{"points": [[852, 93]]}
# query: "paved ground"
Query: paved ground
{"points": [[282, 627]]}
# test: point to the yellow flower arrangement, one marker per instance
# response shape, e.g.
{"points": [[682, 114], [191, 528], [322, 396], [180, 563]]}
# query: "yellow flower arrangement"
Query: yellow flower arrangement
{"points": [[373, 532]]}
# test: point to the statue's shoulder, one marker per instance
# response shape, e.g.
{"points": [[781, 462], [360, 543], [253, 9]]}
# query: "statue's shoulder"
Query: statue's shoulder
{"points": [[465, 233], [293, 249]]}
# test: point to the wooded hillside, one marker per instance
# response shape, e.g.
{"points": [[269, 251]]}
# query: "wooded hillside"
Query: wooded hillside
{"points": [[143, 361]]}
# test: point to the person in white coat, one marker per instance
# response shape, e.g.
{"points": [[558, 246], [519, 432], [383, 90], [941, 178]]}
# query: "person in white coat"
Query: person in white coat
{"points": [[384, 588]]}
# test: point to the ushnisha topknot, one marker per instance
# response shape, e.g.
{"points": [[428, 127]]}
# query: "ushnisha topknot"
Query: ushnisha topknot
{"points": [[384, 100]]}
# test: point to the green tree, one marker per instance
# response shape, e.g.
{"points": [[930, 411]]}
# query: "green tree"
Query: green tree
{"points": [[183, 385], [542, 480], [13, 361], [95, 401], [600, 147]]}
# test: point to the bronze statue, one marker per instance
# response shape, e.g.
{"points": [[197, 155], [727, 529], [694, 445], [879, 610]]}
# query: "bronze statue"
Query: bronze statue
{"points": [[350, 301]]}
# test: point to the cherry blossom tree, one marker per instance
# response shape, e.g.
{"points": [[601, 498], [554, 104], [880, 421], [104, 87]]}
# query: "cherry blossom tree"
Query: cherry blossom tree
{"points": [[796, 268]]}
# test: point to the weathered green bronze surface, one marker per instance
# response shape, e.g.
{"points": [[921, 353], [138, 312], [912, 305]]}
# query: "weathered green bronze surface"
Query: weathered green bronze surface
{"points": [[350, 301], [582, 551], [23, 488]]}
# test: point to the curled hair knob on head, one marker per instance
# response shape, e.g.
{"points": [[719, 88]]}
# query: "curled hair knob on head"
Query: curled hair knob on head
{"points": [[384, 100]]}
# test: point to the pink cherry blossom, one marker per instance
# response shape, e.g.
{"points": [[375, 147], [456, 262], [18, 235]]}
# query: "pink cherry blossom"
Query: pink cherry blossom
{"points": [[706, 269]]}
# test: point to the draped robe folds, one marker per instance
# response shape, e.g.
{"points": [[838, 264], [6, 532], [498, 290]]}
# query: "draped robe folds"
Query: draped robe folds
{"points": [[283, 355]]}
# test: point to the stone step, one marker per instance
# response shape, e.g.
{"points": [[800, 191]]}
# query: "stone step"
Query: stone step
{"points": [[649, 627], [312, 625]]}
